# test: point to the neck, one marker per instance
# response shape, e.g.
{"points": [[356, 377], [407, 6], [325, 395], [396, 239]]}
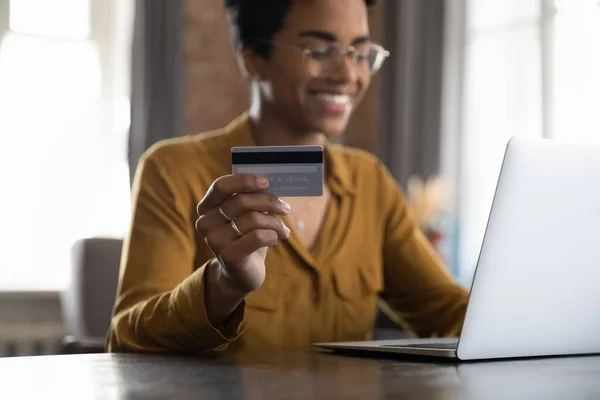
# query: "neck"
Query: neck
{"points": [[268, 130]]}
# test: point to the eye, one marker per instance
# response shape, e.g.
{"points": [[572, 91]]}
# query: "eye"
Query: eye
{"points": [[320, 54], [362, 54]]}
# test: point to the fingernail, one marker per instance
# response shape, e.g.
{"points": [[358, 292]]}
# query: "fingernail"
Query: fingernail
{"points": [[285, 205], [287, 230], [262, 181]]}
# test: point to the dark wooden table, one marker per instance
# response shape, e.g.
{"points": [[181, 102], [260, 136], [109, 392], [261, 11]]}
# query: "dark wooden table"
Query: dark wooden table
{"points": [[293, 375]]}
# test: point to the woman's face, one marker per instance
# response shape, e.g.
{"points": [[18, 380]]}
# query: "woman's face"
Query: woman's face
{"points": [[318, 92]]}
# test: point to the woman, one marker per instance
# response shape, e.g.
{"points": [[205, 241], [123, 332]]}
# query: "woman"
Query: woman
{"points": [[211, 263]]}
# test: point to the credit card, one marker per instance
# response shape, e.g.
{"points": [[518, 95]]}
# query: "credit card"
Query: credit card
{"points": [[293, 171]]}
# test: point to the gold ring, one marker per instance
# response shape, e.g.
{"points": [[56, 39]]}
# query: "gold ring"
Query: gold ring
{"points": [[235, 228], [225, 216]]}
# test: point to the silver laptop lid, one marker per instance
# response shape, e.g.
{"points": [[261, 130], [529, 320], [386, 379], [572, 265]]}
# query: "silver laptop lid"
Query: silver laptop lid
{"points": [[536, 289]]}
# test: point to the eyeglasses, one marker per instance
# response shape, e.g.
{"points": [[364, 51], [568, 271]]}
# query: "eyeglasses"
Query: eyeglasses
{"points": [[321, 61]]}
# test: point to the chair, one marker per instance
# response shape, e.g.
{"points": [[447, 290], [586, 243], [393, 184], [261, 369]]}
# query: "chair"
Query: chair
{"points": [[88, 301]]}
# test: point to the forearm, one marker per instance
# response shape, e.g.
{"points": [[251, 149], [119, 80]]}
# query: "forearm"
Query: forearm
{"points": [[176, 320], [439, 312], [420, 288], [143, 328]]}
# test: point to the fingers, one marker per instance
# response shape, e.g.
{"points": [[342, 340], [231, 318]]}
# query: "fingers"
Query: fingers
{"points": [[259, 221], [228, 185], [258, 230], [238, 250], [239, 205], [222, 240], [253, 241], [239, 197]]}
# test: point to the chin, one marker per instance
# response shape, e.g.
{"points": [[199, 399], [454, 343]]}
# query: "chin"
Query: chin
{"points": [[330, 127]]}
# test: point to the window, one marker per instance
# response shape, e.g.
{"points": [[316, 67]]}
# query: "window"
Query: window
{"points": [[531, 70], [575, 83], [63, 131], [503, 97]]}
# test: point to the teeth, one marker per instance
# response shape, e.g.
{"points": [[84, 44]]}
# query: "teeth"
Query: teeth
{"points": [[340, 99]]}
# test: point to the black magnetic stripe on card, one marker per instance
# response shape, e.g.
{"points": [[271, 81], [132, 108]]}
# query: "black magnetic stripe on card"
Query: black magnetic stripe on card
{"points": [[282, 157]]}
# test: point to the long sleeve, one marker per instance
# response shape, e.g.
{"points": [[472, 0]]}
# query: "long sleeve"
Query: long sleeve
{"points": [[417, 285], [160, 303]]}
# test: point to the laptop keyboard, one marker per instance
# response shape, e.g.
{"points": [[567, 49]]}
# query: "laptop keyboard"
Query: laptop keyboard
{"points": [[441, 346]]}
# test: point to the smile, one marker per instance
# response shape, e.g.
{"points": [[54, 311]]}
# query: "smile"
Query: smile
{"points": [[338, 99]]}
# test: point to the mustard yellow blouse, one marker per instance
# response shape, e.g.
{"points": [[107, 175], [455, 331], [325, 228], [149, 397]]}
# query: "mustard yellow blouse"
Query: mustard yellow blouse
{"points": [[369, 249]]}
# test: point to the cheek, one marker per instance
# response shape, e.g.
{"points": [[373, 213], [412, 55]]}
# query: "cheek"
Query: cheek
{"points": [[363, 84], [288, 85]]}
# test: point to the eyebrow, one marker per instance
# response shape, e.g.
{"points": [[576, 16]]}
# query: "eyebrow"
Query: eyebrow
{"points": [[330, 37]]}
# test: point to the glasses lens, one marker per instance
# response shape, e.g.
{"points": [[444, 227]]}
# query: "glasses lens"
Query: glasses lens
{"points": [[323, 62], [376, 59]]}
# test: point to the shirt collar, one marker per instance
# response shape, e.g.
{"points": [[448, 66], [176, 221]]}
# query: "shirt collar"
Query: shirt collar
{"points": [[340, 179]]}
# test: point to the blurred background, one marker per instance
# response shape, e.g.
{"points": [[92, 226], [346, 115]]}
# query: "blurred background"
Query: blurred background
{"points": [[87, 85]]}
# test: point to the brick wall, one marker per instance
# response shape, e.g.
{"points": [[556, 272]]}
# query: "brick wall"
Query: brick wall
{"points": [[216, 93], [364, 128]]}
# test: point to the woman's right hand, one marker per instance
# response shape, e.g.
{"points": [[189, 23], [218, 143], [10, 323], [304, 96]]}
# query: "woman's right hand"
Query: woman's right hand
{"points": [[235, 201]]}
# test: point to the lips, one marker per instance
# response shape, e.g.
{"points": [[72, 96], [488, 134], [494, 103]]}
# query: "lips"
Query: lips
{"points": [[334, 104]]}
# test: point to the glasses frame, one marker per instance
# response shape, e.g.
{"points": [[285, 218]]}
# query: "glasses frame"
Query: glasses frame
{"points": [[344, 51]]}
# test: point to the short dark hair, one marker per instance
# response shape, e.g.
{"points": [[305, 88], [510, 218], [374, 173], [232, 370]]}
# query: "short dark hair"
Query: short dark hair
{"points": [[255, 22]]}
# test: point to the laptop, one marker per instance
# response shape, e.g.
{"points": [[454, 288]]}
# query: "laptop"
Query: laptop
{"points": [[536, 287]]}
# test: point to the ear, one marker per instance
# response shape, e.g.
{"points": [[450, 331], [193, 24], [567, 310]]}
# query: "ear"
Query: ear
{"points": [[252, 65]]}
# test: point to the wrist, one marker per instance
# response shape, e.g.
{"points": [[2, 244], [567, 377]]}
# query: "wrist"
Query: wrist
{"points": [[226, 286], [221, 299]]}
